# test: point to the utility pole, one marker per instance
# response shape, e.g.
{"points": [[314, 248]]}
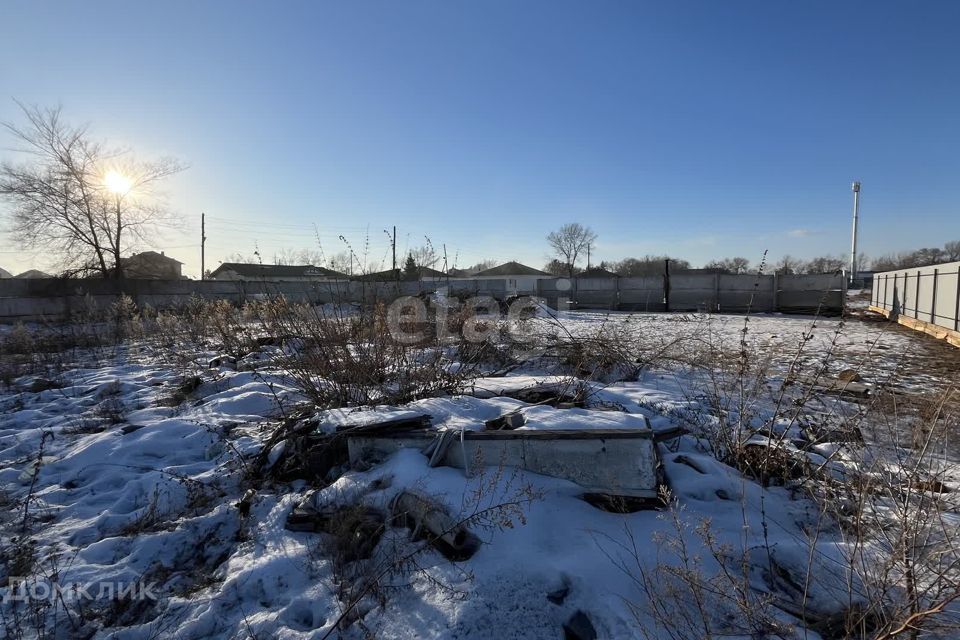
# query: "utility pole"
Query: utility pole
{"points": [[394, 246], [588, 256], [203, 242], [853, 243]]}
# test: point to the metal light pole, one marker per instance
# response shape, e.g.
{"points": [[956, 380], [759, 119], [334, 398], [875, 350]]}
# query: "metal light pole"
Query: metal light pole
{"points": [[853, 242], [203, 246]]}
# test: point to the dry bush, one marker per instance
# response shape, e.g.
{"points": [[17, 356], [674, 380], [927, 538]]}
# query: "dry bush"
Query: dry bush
{"points": [[343, 358], [883, 495], [685, 597]]}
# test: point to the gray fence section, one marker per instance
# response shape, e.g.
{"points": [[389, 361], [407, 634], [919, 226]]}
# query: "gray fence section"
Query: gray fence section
{"points": [[55, 299], [931, 294], [701, 292]]}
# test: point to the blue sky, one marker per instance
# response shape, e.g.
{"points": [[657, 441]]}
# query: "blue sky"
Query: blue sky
{"points": [[700, 129]]}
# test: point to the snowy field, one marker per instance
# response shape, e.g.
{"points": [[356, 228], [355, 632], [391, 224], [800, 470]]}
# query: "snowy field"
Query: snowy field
{"points": [[123, 476]]}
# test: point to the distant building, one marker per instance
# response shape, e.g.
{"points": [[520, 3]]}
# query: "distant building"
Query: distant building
{"points": [[4, 274], [518, 278], [393, 275], [33, 274], [150, 265], [274, 272]]}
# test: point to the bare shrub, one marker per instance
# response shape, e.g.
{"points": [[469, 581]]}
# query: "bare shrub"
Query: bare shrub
{"points": [[881, 488], [340, 357], [686, 598]]}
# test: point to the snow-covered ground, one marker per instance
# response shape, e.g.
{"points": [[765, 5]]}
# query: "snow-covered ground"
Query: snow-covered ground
{"points": [[110, 485]]}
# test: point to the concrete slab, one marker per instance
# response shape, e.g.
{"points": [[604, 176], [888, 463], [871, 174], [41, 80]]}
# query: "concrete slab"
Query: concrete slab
{"points": [[620, 462]]}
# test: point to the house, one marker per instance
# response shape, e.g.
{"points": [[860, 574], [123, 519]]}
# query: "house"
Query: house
{"points": [[33, 274], [519, 278], [150, 265], [391, 275], [597, 272], [274, 272], [4, 274]]}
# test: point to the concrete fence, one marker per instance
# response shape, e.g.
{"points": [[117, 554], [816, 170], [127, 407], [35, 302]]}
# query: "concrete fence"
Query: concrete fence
{"points": [[56, 299], [926, 298], [59, 299], [701, 292]]}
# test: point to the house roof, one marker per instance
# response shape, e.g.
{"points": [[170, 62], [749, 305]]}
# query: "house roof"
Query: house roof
{"points": [[152, 255], [253, 270], [390, 275], [5, 274], [597, 272], [510, 269], [33, 273]]}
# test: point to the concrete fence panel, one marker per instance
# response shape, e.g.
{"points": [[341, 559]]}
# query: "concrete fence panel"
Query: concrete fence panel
{"points": [[57, 299]]}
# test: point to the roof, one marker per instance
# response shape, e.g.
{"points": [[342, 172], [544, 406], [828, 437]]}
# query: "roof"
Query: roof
{"points": [[390, 275], [510, 269], [597, 272], [5, 274], [33, 273], [152, 255], [254, 270]]}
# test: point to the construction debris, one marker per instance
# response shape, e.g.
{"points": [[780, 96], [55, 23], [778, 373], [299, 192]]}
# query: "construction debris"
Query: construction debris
{"points": [[562, 395], [509, 421], [447, 534], [298, 450], [621, 462]]}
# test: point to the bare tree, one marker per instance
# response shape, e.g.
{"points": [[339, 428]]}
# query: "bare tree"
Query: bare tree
{"points": [[649, 266], [75, 197], [730, 265], [951, 251], [557, 268], [239, 258], [788, 265], [918, 257], [340, 262], [483, 265], [298, 257], [825, 264], [569, 242], [425, 255]]}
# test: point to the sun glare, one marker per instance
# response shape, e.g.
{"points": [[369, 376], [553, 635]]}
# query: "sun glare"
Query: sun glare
{"points": [[117, 182]]}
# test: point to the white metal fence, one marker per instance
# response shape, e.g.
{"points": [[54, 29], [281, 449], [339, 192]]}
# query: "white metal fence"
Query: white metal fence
{"points": [[930, 294]]}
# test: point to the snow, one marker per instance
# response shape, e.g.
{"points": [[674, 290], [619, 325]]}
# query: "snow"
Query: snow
{"points": [[151, 493]]}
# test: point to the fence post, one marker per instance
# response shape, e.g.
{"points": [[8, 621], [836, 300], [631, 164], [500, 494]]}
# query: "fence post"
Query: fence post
{"points": [[916, 298], [956, 305], [776, 292], [716, 292], [906, 292], [933, 304], [886, 284]]}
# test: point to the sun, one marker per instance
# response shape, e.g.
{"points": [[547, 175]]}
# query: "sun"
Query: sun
{"points": [[116, 182]]}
